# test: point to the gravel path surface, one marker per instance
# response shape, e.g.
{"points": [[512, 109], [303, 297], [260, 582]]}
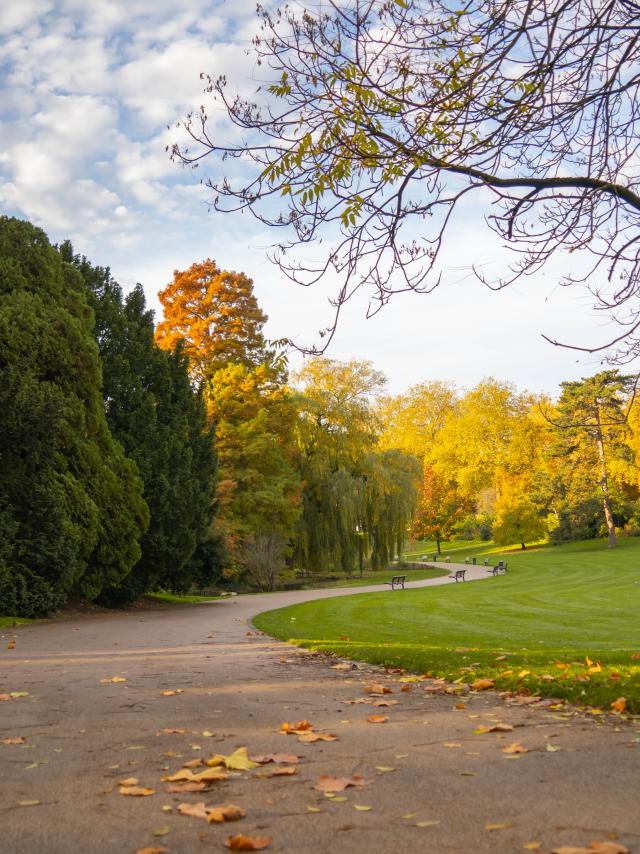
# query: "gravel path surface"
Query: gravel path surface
{"points": [[436, 785]]}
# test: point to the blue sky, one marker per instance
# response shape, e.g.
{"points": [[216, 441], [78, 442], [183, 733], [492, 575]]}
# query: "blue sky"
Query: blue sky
{"points": [[88, 89]]}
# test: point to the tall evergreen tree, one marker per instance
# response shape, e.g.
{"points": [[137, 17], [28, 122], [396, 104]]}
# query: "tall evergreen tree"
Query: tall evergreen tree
{"points": [[159, 418], [71, 505]]}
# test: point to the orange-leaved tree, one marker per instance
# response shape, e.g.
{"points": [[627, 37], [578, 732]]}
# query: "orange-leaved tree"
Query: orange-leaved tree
{"points": [[215, 313]]}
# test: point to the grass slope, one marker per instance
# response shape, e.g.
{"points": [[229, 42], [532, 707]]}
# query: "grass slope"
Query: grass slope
{"points": [[556, 608]]}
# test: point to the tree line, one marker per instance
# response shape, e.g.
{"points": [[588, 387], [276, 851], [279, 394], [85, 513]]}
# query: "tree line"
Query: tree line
{"points": [[136, 457]]}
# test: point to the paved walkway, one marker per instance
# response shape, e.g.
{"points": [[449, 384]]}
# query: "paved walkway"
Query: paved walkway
{"points": [[59, 792]]}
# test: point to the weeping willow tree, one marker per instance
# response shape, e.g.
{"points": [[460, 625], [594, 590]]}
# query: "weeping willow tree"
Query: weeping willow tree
{"points": [[358, 500]]}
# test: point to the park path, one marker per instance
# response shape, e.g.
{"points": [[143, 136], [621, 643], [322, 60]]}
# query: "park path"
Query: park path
{"points": [[59, 790]]}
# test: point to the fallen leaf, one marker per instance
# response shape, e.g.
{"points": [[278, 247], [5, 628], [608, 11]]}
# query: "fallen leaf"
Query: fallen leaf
{"points": [[310, 808], [171, 731], [427, 823], [114, 679], [452, 744], [207, 734], [384, 768], [326, 783], [532, 846], [377, 719], [495, 728], [136, 791], [209, 775], [236, 761], [361, 808], [278, 758], [407, 688], [603, 847], [193, 763], [524, 673], [409, 815], [285, 771], [379, 703], [619, 705], [130, 781], [28, 803], [239, 842], [482, 684], [377, 688], [172, 692], [11, 645], [161, 831], [516, 747], [18, 739], [152, 849], [187, 787], [311, 737], [294, 729], [551, 748], [500, 826]]}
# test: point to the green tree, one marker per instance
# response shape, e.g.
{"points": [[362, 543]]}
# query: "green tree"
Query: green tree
{"points": [[592, 435], [518, 522], [159, 418], [71, 502]]}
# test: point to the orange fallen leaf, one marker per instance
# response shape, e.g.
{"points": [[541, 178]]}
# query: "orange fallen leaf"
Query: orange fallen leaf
{"points": [[594, 848], [113, 679], [500, 727], [136, 791], [187, 787], [193, 763], [213, 815], [452, 744], [171, 731], [377, 719], [516, 747], [240, 842], [284, 771], [326, 783], [18, 739], [130, 781], [11, 645], [152, 849], [619, 705], [209, 775], [172, 692], [377, 688], [532, 846], [380, 703], [502, 826], [294, 729], [311, 737], [482, 684], [407, 688]]}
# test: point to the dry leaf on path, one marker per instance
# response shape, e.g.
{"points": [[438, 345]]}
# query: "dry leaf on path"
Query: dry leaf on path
{"points": [[284, 771], [130, 781], [278, 758], [11, 645], [499, 826], [596, 847], [377, 719], [532, 846], [172, 692], [482, 684], [240, 842], [152, 849], [311, 737], [171, 731], [176, 788], [193, 763], [516, 747], [481, 730], [379, 703], [294, 729], [213, 815], [377, 688], [18, 739], [136, 791], [114, 679], [326, 783], [209, 775], [619, 705], [236, 761]]}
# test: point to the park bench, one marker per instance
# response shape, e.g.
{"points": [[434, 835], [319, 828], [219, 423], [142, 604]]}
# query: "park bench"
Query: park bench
{"points": [[501, 566], [447, 559], [397, 581], [459, 575]]}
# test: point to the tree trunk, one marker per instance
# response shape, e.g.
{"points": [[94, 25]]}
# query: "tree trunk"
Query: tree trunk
{"points": [[604, 482], [522, 545], [438, 542]]}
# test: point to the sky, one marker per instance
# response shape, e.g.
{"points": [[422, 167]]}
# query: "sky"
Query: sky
{"points": [[90, 93]]}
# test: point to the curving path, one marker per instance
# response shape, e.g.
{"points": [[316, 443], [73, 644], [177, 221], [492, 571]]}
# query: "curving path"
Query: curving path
{"points": [[59, 793]]}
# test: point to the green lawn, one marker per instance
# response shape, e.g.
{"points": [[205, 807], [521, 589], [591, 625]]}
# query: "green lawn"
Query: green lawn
{"points": [[556, 608], [380, 576], [10, 622]]}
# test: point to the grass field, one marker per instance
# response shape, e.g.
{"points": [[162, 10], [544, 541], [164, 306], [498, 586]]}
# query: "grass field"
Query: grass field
{"points": [[557, 609], [380, 576], [10, 622]]}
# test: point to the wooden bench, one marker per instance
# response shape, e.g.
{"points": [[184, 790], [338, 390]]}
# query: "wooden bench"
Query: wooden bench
{"points": [[459, 575], [397, 581], [501, 566]]}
